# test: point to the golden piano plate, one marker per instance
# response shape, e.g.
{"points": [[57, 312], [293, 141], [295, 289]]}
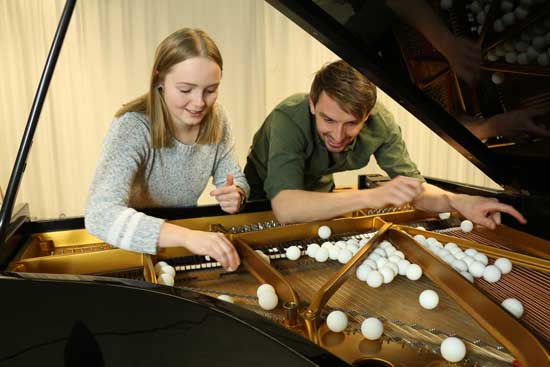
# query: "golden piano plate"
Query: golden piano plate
{"points": [[412, 335]]}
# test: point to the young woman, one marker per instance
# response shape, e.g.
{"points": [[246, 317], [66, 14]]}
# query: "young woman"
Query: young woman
{"points": [[162, 149]]}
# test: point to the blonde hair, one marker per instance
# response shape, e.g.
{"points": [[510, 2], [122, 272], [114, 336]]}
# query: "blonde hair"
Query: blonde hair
{"points": [[181, 45], [354, 93]]}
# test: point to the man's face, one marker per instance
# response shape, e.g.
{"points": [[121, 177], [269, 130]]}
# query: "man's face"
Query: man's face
{"points": [[336, 127]]}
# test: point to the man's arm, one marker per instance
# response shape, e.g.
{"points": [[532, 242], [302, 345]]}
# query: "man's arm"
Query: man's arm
{"points": [[516, 125], [463, 54], [434, 199], [478, 209], [295, 206]]}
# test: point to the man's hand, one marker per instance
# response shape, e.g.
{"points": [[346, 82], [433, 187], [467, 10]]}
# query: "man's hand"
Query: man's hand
{"points": [[397, 192], [464, 56], [484, 211], [229, 196], [520, 124]]}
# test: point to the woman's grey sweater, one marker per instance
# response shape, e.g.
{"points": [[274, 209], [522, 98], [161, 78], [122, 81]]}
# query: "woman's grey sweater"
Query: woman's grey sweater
{"points": [[132, 175]]}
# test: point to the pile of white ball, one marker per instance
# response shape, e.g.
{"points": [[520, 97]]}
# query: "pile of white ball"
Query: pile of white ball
{"points": [[472, 264], [342, 250], [532, 47], [165, 273], [267, 297], [512, 14], [383, 264]]}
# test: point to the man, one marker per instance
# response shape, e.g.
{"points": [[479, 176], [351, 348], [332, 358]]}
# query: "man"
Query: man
{"points": [[338, 127]]}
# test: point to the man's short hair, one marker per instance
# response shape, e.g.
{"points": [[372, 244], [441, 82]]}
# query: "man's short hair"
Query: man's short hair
{"points": [[354, 93]]}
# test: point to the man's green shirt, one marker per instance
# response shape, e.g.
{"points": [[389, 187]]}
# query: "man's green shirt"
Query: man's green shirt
{"points": [[287, 152]]}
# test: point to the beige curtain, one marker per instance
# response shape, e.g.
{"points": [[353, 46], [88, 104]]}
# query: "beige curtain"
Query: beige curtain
{"points": [[106, 61]]}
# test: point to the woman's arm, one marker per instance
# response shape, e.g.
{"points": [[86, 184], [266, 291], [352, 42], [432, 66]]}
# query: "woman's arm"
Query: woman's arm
{"points": [[109, 217]]}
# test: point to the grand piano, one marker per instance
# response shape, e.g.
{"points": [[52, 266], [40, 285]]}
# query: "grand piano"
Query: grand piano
{"points": [[70, 299]]}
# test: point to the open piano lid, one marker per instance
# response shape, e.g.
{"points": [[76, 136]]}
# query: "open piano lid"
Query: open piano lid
{"points": [[403, 63]]}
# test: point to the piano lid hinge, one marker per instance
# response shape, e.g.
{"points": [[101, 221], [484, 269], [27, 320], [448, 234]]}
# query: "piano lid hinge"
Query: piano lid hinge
{"points": [[216, 227], [513, 190]]}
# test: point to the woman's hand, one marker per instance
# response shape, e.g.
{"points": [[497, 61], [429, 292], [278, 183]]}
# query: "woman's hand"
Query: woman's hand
{"points": [[230, 196], [215, 245]]}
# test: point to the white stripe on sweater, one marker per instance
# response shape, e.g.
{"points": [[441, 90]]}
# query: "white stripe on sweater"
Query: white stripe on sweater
{"points": [[130, 230], [116, 228]]}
